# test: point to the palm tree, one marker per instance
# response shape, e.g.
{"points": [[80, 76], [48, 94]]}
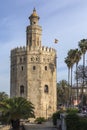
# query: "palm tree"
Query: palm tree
{"points": [[69, 60], [77, 59], [14, 109], [83, 46], [3, 96], [68, 63]]}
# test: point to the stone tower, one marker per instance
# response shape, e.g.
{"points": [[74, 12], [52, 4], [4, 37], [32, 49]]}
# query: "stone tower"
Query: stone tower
{"points": [[33, 71]]}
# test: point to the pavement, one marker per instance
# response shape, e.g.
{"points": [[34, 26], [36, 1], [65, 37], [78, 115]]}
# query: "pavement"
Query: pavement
{"points": [[44, 126]]}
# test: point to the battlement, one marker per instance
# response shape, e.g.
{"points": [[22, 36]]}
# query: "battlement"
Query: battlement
{"points": [[46, 49], [18, 49], [23, 49], [42, 48]]}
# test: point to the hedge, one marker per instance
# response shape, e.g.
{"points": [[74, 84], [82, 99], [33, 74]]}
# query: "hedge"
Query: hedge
{"points": [[75, 122]]}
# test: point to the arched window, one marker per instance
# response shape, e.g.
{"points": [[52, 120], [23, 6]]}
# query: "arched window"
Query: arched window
{"points": [[21, 89], [22, 68], [45, 67], [46, 89], [31, 59], [34, 67]]}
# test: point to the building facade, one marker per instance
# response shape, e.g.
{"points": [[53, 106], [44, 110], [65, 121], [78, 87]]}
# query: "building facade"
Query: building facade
{"points": [[33, 71], [78, 90]]}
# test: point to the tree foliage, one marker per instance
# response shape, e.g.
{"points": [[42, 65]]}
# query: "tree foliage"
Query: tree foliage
{"points": [[73, 57], [14, 109], [62, 92], [3, 96], [82, 73]]}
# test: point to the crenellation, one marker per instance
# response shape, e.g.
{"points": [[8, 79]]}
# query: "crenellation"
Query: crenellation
{"points": [[18, 50], [46, 49]]}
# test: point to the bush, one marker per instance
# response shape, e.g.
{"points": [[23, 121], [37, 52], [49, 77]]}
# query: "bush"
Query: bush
{"points": [[39, 120], [72, 110], [83, 123], [74, 122], [56, 116]]}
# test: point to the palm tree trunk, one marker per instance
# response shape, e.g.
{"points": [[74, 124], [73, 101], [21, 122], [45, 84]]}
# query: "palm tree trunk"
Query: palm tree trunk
{"points": [[68, 86], [83, 77], [77, 81], [71, 85], [15, 124]]}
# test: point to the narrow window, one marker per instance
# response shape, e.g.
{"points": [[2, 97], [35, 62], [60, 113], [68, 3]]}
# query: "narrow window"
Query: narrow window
{"points": [[45, 67], [46, 89], [34, 22], [34, 67], [20, 60], [21, 89], [22, 68], [31, 59]]}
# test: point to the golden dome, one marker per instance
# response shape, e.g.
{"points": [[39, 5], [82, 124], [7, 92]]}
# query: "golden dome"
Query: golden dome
{"points": [[34, 14]]}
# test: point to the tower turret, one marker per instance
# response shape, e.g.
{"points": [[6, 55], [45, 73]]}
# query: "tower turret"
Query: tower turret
{"points": [[33, 31], [34, 18]]}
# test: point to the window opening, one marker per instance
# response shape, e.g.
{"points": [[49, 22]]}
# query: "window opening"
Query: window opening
{"points": [[34, 67], [46, 89], [21, 89], [20, 60], [22, 68], [45, 67]]}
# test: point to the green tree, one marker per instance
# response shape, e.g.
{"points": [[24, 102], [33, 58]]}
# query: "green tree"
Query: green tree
{"points": [[70, 61], [77, 58], [80, 74], [14, 109], [3, 96], [83, 46], [62, 92]]}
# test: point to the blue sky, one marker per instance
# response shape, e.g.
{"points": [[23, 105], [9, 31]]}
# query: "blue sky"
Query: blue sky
{"points": [[65, 20]]}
